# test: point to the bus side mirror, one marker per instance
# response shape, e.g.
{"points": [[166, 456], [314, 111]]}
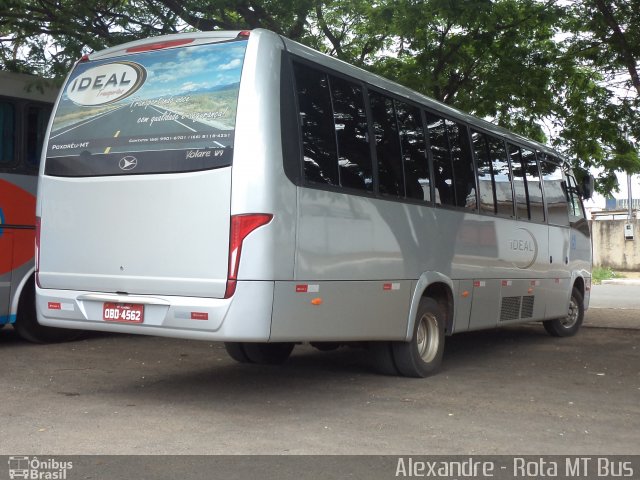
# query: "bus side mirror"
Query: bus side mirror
{"points": [[587, 186]]}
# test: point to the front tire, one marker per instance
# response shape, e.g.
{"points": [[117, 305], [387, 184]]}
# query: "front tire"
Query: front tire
{"points": [[422, 355], [569, 325]]}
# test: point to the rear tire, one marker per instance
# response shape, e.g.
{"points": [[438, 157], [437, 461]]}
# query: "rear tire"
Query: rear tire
{"points": [[422, 355], [236, 351], [27, 324], [268, 353], [569, 325]]}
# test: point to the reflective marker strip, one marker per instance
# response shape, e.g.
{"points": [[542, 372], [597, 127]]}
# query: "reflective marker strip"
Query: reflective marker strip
{"points": [[506, 283], [305, 288], [199, 316], [54, 306], [67, 306], [391, 286], [479, 283], [535, 283]]}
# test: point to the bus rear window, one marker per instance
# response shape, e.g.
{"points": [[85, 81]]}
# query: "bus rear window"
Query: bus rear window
{"points": [[160, 111]]}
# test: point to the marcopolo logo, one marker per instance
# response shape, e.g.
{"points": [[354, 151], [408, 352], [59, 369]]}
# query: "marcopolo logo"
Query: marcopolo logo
{"points": [[35, 469], [106, 83]]}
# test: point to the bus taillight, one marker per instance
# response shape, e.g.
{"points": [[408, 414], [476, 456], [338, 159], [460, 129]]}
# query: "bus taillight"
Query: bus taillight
{"points": [[37, 250], [241, 226]]}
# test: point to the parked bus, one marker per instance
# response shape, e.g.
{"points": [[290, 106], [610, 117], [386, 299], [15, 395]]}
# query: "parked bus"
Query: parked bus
{"points": [[241, 187], [26, 102]]}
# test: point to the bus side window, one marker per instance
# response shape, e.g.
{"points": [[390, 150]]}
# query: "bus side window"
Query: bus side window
{"points": [[414, 152], [519, 182], [351, 127], [463, 173], [390, 174], [485, 173], [7, 134], [442, 170], [36, 127], [501, 177], [534, 185], [554, 192], [318, 134]]}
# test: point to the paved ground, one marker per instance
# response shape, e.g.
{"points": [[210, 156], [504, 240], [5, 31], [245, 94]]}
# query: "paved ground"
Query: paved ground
{"points": [[514, 390]]}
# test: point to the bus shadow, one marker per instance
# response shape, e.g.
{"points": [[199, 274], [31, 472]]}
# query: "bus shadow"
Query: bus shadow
{"points": [[312, 370]]}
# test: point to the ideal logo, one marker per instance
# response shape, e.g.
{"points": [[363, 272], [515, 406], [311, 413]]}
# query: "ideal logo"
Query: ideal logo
{"points": [[106, 83]]}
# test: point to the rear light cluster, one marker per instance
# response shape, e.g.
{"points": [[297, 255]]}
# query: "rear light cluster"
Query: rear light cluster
{"points": [[241, 226]]}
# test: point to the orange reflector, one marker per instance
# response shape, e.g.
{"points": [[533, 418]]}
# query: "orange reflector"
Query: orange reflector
{"points": [[465, 294], [530, 290], [316, 301]]}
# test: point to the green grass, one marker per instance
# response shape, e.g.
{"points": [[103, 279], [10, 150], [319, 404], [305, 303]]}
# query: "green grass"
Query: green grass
{"points": [[603, 273]]}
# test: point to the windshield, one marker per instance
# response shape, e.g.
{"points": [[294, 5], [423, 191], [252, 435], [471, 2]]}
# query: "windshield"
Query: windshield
{"points": [[171, 110]]}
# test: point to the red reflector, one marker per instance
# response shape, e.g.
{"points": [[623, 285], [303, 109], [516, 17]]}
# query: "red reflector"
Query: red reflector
{"points": [[241, 226], [159, 45], [476, 283], [54, 306], [199, 316], [386, 286], [302, 288]]}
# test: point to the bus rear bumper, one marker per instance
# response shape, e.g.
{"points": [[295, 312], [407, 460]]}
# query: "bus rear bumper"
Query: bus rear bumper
{"points": [[244, 317]]}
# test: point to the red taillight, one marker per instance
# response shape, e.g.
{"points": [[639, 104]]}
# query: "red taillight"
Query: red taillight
{"points": [[241, 226], [84, 58], [244, 34], [159, 45], [37, 250]]}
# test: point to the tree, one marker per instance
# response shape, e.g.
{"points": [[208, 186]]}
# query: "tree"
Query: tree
{"points": [[499, 59]]}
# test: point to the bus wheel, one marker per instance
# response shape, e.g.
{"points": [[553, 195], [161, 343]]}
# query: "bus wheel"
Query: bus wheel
{"points": [[27, 324], [268, 353], [422, 355], [236, 351], [569, 325]]}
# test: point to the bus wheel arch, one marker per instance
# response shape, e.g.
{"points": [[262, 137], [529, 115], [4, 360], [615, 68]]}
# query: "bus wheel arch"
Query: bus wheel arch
{"points": [[26, 324]]}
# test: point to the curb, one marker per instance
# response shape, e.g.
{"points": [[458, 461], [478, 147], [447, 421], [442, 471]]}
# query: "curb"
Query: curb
{"points": [[621, 281]]}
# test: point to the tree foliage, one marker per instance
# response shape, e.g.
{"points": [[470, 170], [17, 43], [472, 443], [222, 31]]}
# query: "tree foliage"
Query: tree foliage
{"points": [[563, 72]]}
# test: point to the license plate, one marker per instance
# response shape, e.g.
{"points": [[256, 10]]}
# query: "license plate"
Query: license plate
{"points": [[123, 312]]}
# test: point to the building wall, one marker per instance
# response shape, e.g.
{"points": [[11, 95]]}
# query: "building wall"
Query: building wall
{"points": [[611, 249]]}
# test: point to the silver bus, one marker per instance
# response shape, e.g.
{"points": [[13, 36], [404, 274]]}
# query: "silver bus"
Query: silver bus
{"points": [[241, 187]]}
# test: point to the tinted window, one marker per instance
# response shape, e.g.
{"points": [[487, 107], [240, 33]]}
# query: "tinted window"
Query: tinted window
{"points": [[354, 158], [318, 134], [519, 183], [166, 110], [534, 186], [36, 127], [414, 153], [485, 177], [501, 177], [7, 133], [442, 171], [554, 192], [390, 175], [463, 174]]}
